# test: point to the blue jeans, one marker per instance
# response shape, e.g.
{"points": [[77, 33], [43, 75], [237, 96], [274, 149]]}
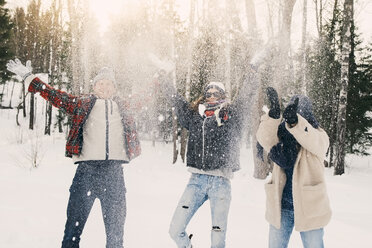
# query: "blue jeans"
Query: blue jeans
{"points": [[279, 238], [103, 180], [199, 189]]}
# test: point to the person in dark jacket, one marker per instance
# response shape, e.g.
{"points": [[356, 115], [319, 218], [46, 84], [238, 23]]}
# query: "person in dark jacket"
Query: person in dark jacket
{"points": [[214, 126], [296, 194], [102, 138]]}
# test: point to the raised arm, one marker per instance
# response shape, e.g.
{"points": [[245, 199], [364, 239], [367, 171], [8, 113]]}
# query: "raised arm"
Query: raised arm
{"points": [[181, 105], [312, 138], [57, 98], [315, 140], [245, 97], [267, 130]]}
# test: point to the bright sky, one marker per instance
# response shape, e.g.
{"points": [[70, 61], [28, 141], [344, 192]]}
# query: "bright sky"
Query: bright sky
{"points": [[104, 9]]}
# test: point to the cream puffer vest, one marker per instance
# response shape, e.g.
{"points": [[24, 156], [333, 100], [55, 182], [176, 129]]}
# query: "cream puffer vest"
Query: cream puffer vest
{"points": [[103, 134]]}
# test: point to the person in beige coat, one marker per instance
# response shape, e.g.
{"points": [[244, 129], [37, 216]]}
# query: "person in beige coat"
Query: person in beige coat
{"points": [[296, 195]]}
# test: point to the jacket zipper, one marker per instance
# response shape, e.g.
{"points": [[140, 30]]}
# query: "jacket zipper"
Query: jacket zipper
{"points": [[107, 130], [203, 141]]}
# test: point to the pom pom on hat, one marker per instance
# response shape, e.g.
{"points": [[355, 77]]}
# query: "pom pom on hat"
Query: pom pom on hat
{"points": [[104, 73]]}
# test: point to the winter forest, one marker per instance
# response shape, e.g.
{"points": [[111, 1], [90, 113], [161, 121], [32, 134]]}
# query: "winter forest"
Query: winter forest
{"points": [[318, 48]]}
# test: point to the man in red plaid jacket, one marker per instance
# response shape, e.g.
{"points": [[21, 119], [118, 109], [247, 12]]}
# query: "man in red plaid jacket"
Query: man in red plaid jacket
{"points": [[102, 138]]}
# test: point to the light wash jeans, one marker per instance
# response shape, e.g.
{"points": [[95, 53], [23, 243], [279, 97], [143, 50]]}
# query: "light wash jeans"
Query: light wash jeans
{"points": [[199, 189], [279, 238]]}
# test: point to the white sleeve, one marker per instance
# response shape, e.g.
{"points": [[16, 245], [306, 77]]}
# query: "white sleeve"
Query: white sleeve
{"points": [[28, 80], [267, 132], [315, 140]]}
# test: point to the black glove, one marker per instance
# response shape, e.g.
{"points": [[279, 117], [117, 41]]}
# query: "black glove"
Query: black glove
{"points": [[272, 95], [290, 113]]}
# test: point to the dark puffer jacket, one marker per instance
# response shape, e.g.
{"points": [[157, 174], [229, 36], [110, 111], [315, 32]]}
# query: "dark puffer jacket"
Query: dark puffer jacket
{"points": [[211, 146]]}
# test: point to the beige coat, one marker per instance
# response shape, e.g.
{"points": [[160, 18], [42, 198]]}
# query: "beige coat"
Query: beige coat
{"points": [[310, 199]]}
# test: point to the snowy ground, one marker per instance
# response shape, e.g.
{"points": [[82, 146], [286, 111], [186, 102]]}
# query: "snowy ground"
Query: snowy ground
{"points": [[33, 201]]}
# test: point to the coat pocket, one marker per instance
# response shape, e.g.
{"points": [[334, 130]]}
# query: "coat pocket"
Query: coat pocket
{"points": [[315, 200], [270, 193], [272, 205]]}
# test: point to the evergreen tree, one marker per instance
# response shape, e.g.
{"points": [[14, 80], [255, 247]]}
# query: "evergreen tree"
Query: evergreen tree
{"points": [[205, 61], [323, 72], [6, 52], [19, 34], [358, 120]]}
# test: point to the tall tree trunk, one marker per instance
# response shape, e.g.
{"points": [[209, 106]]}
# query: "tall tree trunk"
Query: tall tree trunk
{"points": [[303, 60], [32, 111], [341, 120], [2, 94], [251, 17], [319, 16], [49, 64], [48, 118], [184, 133], [24, 100], [75, 55], [11, 95], [228, 61], [234, 15], [233, 26], [261, 168], [60, 124], [270, 28], [283, 63], [173, 55], [330, 39]]}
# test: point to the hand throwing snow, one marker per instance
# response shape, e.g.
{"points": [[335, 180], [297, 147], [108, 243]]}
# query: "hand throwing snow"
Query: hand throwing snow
{"points": [[272, 95], [18, 68], [290, 113]]}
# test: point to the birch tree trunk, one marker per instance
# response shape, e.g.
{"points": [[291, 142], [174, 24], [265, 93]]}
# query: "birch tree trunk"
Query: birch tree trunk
{"points": [[261, 168], [11, 95], [184, 133], [251, 17], [283, 62], [173, 56], [49, 64], [228, 54], [303, 45], [24, 100], [333, 134], [233, 29], [341, 120], [319, 16], [270, 25], [33, 45], [75, 55], [32, 111]]}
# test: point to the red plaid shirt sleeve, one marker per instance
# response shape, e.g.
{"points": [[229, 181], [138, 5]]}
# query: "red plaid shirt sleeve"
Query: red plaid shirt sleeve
{"points": [[57, 98]]}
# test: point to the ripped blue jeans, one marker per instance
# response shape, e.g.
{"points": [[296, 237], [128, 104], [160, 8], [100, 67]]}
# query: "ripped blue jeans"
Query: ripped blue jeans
{"points": [[199, 189]]}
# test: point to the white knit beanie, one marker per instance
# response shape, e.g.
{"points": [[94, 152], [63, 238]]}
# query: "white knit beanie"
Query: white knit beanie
{"points": [[104, 73], [217, 85]]}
